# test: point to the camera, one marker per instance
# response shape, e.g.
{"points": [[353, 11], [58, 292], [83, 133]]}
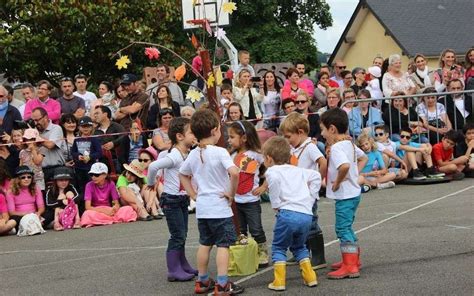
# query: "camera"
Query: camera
{"points": [[256, 79], [19, 124]]}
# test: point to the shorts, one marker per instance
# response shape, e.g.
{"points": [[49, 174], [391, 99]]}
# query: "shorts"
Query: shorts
{"points": [[219, 232]]}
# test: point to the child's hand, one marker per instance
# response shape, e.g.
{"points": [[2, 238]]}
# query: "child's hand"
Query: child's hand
{"points": [[69, 195], [115, 209], [228, 196], [335, 187], [259, 190]]}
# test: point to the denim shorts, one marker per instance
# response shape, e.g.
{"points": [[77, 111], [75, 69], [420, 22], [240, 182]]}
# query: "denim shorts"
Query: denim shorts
{"points": [[219, 232]]}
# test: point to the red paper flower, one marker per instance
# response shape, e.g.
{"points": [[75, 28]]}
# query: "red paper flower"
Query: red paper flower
{"points": [[152, 53]]}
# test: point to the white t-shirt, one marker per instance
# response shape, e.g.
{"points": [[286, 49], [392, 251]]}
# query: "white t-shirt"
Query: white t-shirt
{"points": [[307, 154], [88, 97], [293, 188], [209, 167], [341, 153], [170, 163], [248, 197], [390, 146]]}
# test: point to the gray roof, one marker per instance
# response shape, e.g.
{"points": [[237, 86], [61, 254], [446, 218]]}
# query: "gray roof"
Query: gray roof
{"points": [[426, 26]]}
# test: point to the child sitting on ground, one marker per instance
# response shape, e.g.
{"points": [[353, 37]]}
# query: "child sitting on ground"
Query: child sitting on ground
{"points": [[388, 148], [374, 173], [217, 178], [293, 191], [443, 156], [466, 148], [6, 224]]}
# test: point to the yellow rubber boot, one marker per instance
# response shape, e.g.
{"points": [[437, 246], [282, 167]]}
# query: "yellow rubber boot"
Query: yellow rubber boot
{"points": [[279, 272], [309, 275]]}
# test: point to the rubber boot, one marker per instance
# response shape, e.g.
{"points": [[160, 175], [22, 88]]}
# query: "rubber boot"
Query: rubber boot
{"points": [[349, 267], [337, 265], [175, 271], [315, 244], [185, 264], [309, 275], [262, 255], [279, 273]]}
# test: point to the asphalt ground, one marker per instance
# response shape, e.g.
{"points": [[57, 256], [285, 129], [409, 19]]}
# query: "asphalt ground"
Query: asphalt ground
{"points": [[414, 240]]}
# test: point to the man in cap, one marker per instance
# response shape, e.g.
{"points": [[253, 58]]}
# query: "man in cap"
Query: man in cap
{"points": [[135, 105]]}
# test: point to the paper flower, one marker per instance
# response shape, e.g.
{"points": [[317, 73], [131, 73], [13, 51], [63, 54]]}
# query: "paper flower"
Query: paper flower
{"points": [[219, 33], [122, 62], [180, 72], [193, 95], [152, 53], [218, 76], [229, 7], [211, 80]]}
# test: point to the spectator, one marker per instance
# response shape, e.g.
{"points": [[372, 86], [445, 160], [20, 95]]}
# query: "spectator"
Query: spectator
{"points": [[160, 139], [51, 138], [11, 99], [5, 176], [423, 76], [28, 91], [9, 154], [288, 106], [31, 156], [244, 63], [339, 66], [395, 79], [163, 75], [347, 80], [378, 61], [293, 85], [134, 106], [69, 102], [302, 106], [132, 143], [325, 69], [80, 80], [399, 116], [466, 148], [51, 106], [187, 112], [247, 96], [374, 85], [348, 95], [333, 100], [469, 60], [458, 106], [69, 127], [163, 101], [120, 94], [8, 113], [358, 74], [235, 112], [433, 116], [321, 89], [271, 100], [443, 156], [448, 68], [106, 97], [146, 157], [305, 80], [6, 224], [364, 117]]}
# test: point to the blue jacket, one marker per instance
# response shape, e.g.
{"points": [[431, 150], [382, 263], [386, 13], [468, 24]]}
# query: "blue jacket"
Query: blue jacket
{"points": [[356, 122]]}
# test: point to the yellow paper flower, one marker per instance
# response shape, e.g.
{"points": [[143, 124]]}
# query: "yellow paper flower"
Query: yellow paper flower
{"points": [[193, 95], [210, 80], [219, 76], [229, 7], [122, 62]]}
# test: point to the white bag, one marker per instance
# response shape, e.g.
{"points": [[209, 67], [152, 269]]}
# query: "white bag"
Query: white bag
{"points": [[30, 224]]}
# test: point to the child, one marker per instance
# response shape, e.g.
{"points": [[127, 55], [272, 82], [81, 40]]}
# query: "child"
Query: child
{"points": [[443, 156], [374, 173], [244, 63], [305, 154], [32, 157], [85, 151], [413, 153], [344, 162], [466, 148], [6, 224], [388, 148], [174, 200], [211, 167], [245, 143], [293, 191], [288, 106], [59, 195], [227, 97], [374, 84]]}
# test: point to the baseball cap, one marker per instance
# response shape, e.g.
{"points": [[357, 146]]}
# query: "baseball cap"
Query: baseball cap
{"points": [[86, 120], [99, 168], [128, 78], [375, 71]]}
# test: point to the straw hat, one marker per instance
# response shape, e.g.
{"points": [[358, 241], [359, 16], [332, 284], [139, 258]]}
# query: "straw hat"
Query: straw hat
{"points": [[136, 168]]}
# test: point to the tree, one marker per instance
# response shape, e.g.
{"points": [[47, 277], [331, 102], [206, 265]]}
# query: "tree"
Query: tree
{"points": [[45, 39], [278, 30]]}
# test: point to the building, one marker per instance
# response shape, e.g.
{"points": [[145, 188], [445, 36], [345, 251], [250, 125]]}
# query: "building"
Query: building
{"points": [[406, 27]]}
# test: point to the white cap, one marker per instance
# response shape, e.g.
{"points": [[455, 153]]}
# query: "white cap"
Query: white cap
{"points": [[99, 168], [375, 71]]}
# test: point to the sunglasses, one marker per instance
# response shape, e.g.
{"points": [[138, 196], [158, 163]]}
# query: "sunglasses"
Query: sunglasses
{"points": [[143, 160], [405, 137], [26, 177], [166, 111], [94, 175], [66, 79], [379, 134], [300, 102], [341, 67]]}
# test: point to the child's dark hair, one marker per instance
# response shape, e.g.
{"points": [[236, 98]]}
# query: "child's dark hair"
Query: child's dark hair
{"points": [[226, 86], [139, 181], [385, 128], [278, 149], [336, 117], [452, 135], [467, 126], [406, 130], [203, 122], [177, 126], [245, 128]]}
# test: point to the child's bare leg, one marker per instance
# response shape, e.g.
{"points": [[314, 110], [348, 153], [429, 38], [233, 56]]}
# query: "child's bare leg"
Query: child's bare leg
{"points": [[203, 259], [57, 225], [448, 169], [385, 178], [411, 157], [222, 261], [6, 226], [428, 160], [460, 167], [77, 220], [386, 160], [150, 197]]}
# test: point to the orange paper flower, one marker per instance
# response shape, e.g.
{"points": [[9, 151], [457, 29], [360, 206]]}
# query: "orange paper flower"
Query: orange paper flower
{"points": [[180, 72]]}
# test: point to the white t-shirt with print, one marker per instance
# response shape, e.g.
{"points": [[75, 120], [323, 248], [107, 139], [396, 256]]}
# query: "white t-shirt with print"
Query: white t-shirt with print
{"points": [[88, 97], [307, 154], [209, 167], [423, 111], [249, 197], [343, 152]]}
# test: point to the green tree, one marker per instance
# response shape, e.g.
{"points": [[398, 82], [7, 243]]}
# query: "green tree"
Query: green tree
{"points": [[44, 39], [278, 30]]}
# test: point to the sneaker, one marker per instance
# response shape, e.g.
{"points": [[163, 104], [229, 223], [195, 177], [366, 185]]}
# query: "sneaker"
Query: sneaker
{"points": [[432, 172], [418, 175], [386, 185], [12, 232], [365, 188], [204, 287], [229, 289], [457, 176], [160, 212]]}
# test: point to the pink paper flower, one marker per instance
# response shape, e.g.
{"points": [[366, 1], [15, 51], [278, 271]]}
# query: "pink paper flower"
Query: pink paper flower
{"points": [[152, 53]]}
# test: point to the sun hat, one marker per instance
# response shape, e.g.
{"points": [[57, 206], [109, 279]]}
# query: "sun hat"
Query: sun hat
{"points": [[62, 173], [99, 168], [375, 71], [150, 151], [136, 168], [23, 169], [30, 133]]}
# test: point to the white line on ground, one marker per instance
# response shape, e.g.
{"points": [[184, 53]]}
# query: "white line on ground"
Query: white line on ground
{"points": [[459, 227], [366, 228]]}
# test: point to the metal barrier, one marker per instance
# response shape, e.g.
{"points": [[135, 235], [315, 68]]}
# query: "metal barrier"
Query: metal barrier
{"points": [[423, 126]]}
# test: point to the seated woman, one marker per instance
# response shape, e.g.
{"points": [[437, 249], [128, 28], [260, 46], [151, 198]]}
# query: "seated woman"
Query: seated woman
{"points": [[160, 138], [132, 143], [333, 98], [24, 197], [6, 224], [374, 173], [364, 117], [163, 101], [321, 89], [102, 200]]}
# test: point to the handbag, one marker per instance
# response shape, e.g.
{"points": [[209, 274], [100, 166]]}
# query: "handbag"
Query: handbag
{"points": [[437, 123], [68, 215]]}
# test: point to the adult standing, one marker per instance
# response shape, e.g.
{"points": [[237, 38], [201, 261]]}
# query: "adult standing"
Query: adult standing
{"points": [[51, 106], [8, 113], [135, 105], [358, 74], [469, 74], [309, 85], [338, 67], [247, 96], [80, 80], [163, 101], [448, 68], [347, 80], [163, 75], [458, 106], [293, 85], [161, 140], [69, 102], [395, 80], [28, 92], [424, 77], [69, 125], [106, 97], [322, 88], [51, 138], [271, 101]]}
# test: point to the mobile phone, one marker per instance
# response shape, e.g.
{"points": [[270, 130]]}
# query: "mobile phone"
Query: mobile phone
{"points": [[256, 79]]}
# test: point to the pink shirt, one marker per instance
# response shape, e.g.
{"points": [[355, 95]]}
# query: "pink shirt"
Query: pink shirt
{"points": [[101, 196], [305, 85], [24, 202], [50, 105], [3, 204]]}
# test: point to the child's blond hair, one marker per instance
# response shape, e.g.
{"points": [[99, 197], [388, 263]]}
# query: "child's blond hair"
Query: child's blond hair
{"points": [[295, 122], [278, 149], [366, 137]]}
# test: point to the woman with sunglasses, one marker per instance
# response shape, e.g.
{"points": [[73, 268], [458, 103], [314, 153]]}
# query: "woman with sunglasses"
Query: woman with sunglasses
{"points": [[24, 196], [303, 106], [160, 139], [163, 101]]}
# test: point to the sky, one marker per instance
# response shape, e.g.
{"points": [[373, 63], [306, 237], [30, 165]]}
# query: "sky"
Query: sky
{"points": [[341, 11]]}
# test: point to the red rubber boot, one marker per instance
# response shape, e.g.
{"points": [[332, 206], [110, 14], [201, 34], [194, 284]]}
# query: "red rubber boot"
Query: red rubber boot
{"points": [[337, 265], [349, 267]]}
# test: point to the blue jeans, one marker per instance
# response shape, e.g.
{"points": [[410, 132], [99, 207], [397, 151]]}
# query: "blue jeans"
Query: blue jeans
{"points": [[291, 231], [345, 215], [175, 208]]}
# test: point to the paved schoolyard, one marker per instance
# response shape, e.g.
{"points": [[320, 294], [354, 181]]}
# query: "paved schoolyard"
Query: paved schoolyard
{"points": [[414, 240]]}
